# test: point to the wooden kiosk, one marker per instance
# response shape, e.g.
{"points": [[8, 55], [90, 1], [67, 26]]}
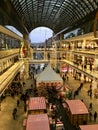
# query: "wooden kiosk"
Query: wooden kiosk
{"points": [[37, 122], [89, 127], [77, 112], [36, 105]]}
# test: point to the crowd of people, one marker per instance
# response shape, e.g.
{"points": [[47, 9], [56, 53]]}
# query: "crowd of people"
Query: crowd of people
{"points": [[16, 89]]}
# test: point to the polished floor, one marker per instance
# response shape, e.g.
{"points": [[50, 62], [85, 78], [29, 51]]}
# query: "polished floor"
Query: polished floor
{"points": [[7, 106], [9, 103], [83, 95]]}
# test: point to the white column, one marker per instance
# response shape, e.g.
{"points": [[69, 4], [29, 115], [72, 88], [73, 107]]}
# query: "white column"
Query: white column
{"points": [[26, 70], [83, 44], [94, 83], [46, 55], [96, 64], [94, 86], [82, 77]]}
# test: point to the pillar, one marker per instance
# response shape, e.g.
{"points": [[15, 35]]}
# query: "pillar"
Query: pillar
{"points": [[83, 44], [83, 59], [61, 38], [96, 64], [72, 45], [82, 77], [27, 70], [94, 83], [45, 55], [27, 45], [94, 86]]}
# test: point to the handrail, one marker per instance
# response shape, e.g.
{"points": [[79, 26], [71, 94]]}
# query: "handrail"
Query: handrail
{"points": [[9, 75]]}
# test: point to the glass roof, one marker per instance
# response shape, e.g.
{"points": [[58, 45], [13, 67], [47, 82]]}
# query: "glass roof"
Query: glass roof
{"points": [[55, 14]]}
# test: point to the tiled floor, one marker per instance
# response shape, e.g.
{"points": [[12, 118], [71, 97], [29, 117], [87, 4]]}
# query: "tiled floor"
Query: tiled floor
{"points": [[6, 118], [7, 106], [74, 84]]}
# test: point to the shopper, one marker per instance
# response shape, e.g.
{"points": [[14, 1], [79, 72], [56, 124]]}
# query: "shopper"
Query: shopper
{"points": [[95, 116], [18, 102], [90, 116], [14, 113]]}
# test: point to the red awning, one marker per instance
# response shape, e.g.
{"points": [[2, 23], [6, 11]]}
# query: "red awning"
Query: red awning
{"points": [[37, 122], [66, 88], [36, 103], [77, 107], [89, 127]]}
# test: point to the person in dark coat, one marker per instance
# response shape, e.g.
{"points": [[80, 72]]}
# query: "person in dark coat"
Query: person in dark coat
{"points": [[90, 116], [18, 103], [90, 106], [95, 116], [14, 113]]}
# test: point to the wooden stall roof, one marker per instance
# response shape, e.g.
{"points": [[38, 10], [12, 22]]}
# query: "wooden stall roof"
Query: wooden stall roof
{"points": [[77, 107], [36, 103], [89, 127], [37, 122]]}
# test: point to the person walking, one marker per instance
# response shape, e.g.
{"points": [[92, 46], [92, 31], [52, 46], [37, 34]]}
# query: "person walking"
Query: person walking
{"points": [[95, 116], [14, 113], [90, 106], [90, 116], [18, 103], [90, 94]]}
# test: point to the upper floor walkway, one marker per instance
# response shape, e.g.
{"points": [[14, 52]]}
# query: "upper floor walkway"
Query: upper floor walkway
{"points": [[7, 77]]}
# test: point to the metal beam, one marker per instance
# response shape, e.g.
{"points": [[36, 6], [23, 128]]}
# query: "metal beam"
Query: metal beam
{"points": [[10, 13]]}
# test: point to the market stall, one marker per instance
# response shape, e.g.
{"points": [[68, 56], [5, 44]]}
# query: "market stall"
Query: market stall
{"points": [[89, 127], [49, 78], [77, 112], [37, 122], [36, 105], [65, 93]]}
